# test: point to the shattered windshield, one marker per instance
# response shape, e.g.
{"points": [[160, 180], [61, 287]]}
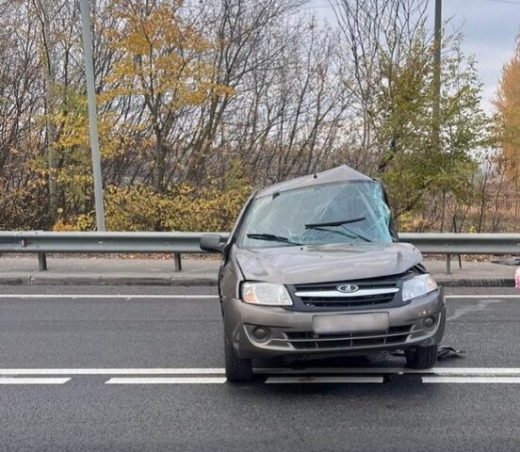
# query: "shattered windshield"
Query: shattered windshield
{"points": [[345, 212]]}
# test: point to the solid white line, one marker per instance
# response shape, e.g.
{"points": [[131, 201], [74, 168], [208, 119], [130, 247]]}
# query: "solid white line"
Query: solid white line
{"points": [[473, 371], [117, 296], [101, 371], [461, 297], [33, 381], [192, 297], [482, 380], [166, 381], [300, 380]]}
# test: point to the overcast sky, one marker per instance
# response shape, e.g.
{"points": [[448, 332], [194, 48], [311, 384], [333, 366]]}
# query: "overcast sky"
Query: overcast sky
{"points": [[489, 27]]}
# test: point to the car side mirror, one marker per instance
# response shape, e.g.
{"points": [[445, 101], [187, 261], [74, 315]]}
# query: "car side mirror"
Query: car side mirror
{"points": [[213, 243]]}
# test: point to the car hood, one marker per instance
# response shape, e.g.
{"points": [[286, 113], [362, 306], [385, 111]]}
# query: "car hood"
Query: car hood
{"points": [[324, 263]]}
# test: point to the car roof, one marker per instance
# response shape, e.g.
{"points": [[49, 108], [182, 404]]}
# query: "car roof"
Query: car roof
{"points": [[341, 173]]}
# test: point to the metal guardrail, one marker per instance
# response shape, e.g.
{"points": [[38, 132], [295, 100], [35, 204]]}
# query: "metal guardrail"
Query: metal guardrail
{"points": [[42, 243], [452, 243], [456, 244], [179, 243]]}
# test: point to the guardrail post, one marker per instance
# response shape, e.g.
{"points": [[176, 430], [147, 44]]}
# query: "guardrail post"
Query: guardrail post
{"points": [[178, 262], [42, 262], [448, 264]]}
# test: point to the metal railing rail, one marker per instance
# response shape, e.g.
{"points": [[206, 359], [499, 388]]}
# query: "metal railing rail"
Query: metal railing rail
{"points": [[43, 243], [179, 243]]}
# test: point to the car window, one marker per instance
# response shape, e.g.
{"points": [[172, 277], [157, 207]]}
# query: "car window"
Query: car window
{"points": [[359, 204]]}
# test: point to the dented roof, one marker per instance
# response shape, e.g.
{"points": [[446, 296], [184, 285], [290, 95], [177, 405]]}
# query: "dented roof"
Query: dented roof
{"points": [[341, 173]]}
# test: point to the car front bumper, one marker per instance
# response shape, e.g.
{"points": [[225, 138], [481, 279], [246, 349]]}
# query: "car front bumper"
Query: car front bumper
{"points": [[290, 333]]}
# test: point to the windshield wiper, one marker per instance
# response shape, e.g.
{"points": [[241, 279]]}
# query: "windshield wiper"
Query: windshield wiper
{"points": [[334, 223], [271, 238], [351, 234]]}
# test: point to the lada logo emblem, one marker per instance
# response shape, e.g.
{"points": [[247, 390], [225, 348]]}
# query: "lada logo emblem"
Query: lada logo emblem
{"points": [[347, 288]]}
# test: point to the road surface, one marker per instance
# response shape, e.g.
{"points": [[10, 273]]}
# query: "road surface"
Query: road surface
{"points": [[140, 369]]}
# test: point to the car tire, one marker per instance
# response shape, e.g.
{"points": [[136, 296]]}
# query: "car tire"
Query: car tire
{"points": [[237, 369], [422, 357]]}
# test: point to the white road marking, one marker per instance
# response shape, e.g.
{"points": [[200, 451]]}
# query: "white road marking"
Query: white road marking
{"points": [[465, 380], [102, 371], [447, 375], [166, 380], [305, 380], [471, 371], [330, 370], [437, 371], [451, 371], [194, 297], [496, 297], [116, 296], [217, 371], [32, 381]]}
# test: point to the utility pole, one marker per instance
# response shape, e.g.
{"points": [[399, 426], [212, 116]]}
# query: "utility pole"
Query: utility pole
{"points": [[437, 74], [92, 110]]}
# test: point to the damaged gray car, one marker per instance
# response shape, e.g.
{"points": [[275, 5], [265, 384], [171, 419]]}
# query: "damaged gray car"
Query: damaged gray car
{"points": [[314, 268]]}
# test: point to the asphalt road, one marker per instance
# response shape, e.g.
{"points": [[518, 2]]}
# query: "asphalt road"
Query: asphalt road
{"points": [[140, 369]]}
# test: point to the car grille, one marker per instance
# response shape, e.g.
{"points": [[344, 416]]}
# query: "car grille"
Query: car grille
{"points": [[308, 340], [371, 293]]}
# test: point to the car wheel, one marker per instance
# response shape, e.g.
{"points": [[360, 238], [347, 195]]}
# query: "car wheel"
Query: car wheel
{"points": [[237, 369], [422, 357]]}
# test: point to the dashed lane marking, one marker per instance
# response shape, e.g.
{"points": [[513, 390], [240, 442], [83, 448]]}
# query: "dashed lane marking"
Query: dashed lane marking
{"points": [[107, 296], [192, 376], [332, 379], [112, 371], [272, 371], [166, 380], [32, 381]]}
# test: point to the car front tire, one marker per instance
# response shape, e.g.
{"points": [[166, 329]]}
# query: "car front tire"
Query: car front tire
{"points": [[237, 369], [422, 357]]}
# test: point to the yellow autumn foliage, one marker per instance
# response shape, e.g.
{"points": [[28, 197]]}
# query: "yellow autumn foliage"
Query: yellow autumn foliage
{"points": [[162, 56], [181, 208], [507, 120]]}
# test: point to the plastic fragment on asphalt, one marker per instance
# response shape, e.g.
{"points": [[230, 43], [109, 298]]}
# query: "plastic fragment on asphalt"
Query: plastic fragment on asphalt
{"points": [[449, 352], [444, 352]]}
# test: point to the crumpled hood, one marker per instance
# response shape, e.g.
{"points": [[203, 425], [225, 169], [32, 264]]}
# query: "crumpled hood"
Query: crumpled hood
{"points": [[315, 264]]}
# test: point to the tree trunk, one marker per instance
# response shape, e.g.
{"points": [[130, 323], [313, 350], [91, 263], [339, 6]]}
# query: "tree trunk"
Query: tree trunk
{"points": [[49, 74]]}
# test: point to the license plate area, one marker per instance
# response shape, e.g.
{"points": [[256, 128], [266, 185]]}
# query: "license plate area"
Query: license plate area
{"points": [[350, 323]]}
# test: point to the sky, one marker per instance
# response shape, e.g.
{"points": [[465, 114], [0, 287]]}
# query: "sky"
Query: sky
{"points": [[489, 28]]}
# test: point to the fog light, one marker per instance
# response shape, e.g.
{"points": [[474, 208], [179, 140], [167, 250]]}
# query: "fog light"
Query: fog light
{"points": [[261, 334], [429, 322]]}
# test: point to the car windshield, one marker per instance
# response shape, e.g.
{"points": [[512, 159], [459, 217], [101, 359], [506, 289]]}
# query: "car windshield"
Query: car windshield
{"points": [[344, 212]]}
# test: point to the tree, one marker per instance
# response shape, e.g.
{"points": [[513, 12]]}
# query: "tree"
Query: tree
{"points": [[391, 57], [210, 96], [507, 104], [164, 63]]}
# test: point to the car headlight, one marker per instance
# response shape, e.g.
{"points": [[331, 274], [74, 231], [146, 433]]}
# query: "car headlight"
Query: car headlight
{"points": [[417, 286], [266, 294]]}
